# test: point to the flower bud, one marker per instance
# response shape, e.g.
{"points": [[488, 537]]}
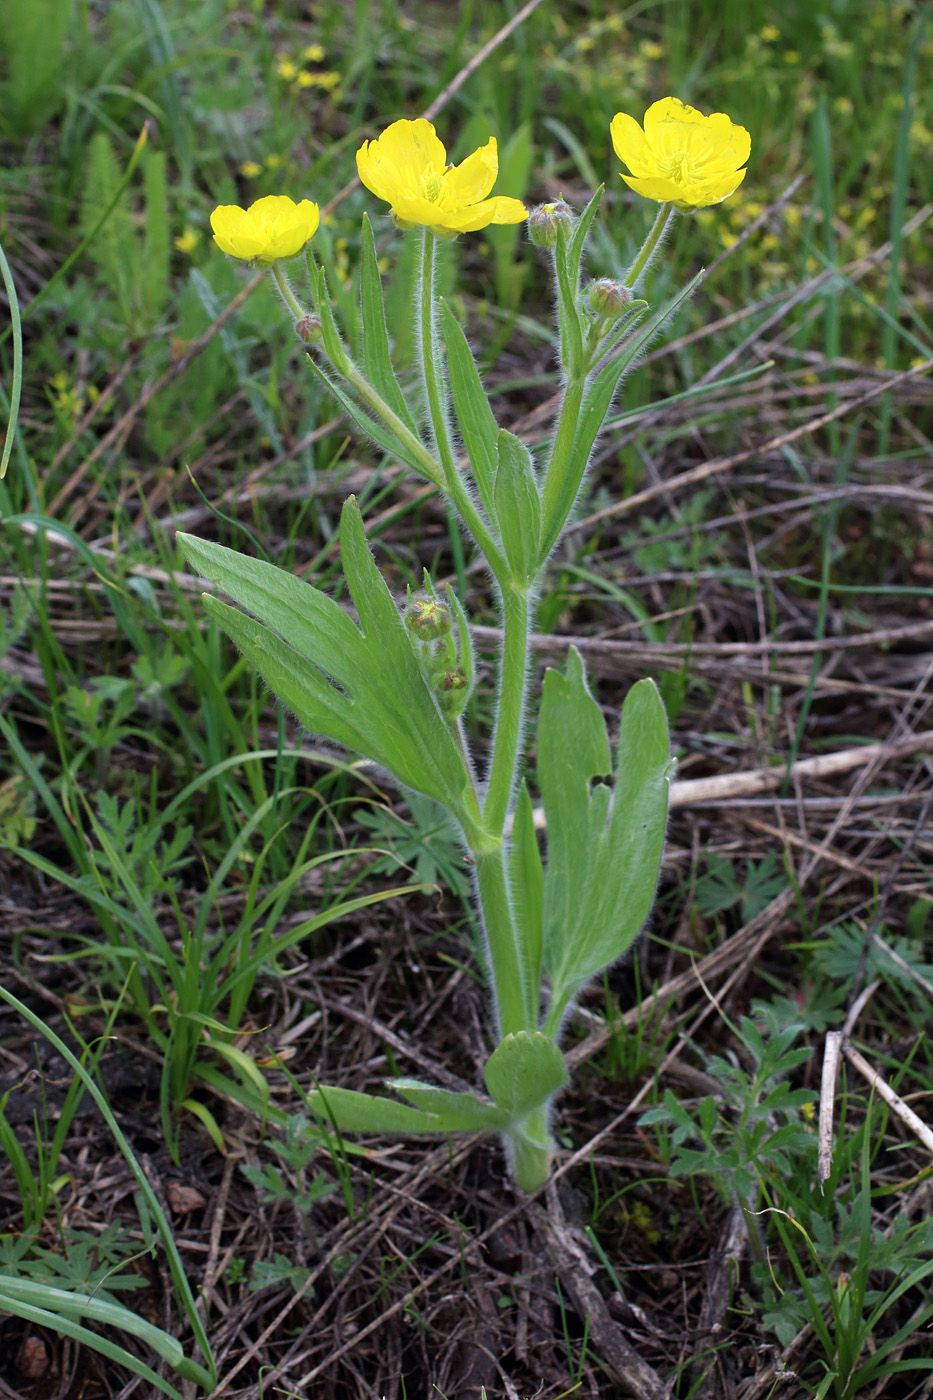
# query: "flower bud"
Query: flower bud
{"points": [[452, 692], [308, 329], [608, 298], [546, 219], [428, 619]]}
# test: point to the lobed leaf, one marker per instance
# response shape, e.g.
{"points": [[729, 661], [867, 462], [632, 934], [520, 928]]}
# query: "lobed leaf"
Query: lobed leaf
{"points": [[456, 1112], [361, 686], [354, 1112], [604, 848]]}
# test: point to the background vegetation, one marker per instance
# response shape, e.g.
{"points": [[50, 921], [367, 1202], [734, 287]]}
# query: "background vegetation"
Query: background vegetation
{"points": [[207, 911]]}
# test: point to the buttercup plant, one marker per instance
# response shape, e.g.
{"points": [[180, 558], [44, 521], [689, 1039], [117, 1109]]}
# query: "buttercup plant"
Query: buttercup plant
{"points": [[393, 686]]}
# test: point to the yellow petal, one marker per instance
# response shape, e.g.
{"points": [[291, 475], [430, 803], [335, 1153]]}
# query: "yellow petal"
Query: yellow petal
{"points": [[474, 177], [415, 209], [629, 144], [399, 159], [715, 193], [413, 143], [669, 109], [739, 141], [507, 211], [654, 187]]}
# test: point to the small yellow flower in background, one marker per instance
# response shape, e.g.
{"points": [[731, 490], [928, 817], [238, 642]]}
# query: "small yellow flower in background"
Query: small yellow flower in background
{"points": [[328, 82], [770, 32], [272, 228], [250, 169], [650, 49], [407, 167], [286, 69], [313, 53], [681, 156], [187, 242]]}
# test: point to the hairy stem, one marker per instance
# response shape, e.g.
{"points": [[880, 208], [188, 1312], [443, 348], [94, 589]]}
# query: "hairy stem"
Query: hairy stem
{"points": [[284, 286], [656, 232], [513, 674], [512, 995]]}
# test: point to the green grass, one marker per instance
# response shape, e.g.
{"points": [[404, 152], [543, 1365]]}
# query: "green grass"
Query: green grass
{"points": [[208, 848]]}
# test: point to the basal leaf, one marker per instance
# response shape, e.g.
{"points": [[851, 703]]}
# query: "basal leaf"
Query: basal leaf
{"points": [[524, 1071], [456, 1113], [353, 1112]]}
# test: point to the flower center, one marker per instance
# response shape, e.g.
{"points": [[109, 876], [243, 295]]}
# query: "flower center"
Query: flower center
{"points": [[432, 187], [679, 167]]}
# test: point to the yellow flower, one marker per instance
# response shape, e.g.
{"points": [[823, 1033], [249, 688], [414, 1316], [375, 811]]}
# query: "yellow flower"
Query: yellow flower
{"points": [[272, 228], [250, 169], [407, 167], [681, 156], [187, 242], [286, 69], [313, 53]]}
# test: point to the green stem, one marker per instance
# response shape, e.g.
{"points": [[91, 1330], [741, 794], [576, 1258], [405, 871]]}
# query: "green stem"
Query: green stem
{"points": [[437, 408], [513, 675], [655, 233], [512, 994], [531, 1147], [288, 296], [430, 466]]}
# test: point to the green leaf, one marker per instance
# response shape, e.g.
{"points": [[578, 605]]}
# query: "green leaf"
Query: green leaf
{"points": [[318, 705], [363, 688], [66, 1326], [478, 427], [575, 251], [314, 624], [527, 881], [322, 305], [376, 354], [518, 506], [456, 1113], [604, 849], [600, 392], [353, 1112], [524, 1071]]}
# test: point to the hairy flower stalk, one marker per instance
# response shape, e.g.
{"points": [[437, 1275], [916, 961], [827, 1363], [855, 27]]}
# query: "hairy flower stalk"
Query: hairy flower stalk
{"points": [[393, 686]]}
